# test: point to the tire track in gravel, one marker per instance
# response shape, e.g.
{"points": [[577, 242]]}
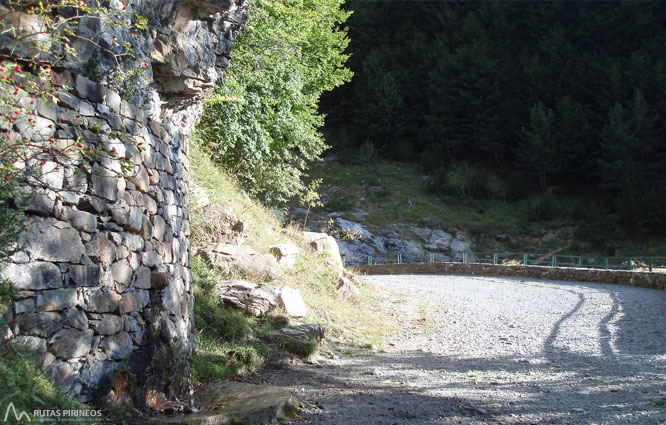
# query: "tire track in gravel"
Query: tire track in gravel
{"points": [[496, 350]]}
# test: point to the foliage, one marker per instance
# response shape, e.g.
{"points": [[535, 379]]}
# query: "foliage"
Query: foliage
{"points": [[464, 180], [262, 124], [549, 94]]}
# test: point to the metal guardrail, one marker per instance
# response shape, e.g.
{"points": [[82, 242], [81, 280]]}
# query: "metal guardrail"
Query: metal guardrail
{"points": [[630, 263]]}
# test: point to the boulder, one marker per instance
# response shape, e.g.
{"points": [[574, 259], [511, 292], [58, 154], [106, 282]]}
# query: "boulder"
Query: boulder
{"points": [[441, 240], [285, 253], [356, 250], [347, 288], [325, 244], [222, 225], [225, 257], [303, 333], [353, 230], [292, 302], [459, 246], [422, 232], [256, 299]]}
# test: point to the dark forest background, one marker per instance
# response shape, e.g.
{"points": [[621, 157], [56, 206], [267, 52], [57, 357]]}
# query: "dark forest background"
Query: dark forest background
{"points": [[508, 99]]}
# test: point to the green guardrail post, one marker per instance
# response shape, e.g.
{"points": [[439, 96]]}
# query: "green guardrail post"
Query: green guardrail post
{"points": [[631, 266], [605, 263], [495, 258], [650, 262], [554, 261], [399, 258], [465, 257], [580, 262], [524, 259], [432, 257], [369, 260]]}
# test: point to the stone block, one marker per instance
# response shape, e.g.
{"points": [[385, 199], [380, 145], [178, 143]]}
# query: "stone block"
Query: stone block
{"points": [[134, 301], [32, 344], [159, 227], [40, 324], [81, 220], [67, 344], [76, 319], [85, 275], [102, 249], [56, 299], [109, 325], [122, 272], [33, 276], [56, 244], [117, 346], [103, 302], [142, 278], [86, 89]]}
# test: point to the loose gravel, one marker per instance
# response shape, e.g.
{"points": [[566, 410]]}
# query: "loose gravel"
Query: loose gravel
{"points": [[479, 350]]}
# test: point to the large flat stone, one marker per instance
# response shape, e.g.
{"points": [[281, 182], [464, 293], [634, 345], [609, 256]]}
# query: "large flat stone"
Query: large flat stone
{"points": [[33, 276], [59, 245], [234, 400]]}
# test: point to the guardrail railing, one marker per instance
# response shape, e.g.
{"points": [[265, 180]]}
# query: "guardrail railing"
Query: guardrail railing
{"points": [[631, 263]]}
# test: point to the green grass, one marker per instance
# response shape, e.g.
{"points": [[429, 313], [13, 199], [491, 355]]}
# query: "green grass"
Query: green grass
{"points": [[231, 343], [399, 183], [28, 388], [394, 193]]}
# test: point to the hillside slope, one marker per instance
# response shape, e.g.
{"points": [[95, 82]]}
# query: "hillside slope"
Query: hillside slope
{"points": [[358, 321], [390, 202]]}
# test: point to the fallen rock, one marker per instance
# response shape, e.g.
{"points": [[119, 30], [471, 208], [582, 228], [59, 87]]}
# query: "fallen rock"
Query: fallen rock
{"points": [[225, 257], [347, 289], [303, 333], [292, 302], [285, 254], [256, 299], [325, 244], [222, 225]]}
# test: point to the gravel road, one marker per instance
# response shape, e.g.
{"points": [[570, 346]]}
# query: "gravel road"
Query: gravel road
{"points": [[478, 350]]}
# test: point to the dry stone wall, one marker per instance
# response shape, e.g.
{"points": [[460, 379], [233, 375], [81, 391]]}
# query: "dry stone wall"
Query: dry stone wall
{"points": [[103, 277], [644, 279]]}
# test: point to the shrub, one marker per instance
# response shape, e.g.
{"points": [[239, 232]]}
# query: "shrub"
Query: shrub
{"points": [[464, 180]]}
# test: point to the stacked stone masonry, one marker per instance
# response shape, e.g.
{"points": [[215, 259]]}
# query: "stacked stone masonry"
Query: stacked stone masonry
{"points": [[643, 279], [103, 277]]}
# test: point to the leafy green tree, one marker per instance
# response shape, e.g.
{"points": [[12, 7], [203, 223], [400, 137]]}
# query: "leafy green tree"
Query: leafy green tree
{"points": [[262, 124]]}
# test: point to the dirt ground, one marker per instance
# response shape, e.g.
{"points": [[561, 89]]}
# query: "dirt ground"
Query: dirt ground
{"points": [[479, 350]]}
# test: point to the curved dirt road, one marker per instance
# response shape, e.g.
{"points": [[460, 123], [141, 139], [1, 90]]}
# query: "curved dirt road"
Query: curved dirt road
{"points": [[497, 350]]}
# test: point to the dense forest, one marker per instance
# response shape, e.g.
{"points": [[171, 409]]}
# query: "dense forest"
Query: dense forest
{"points": [[506, 99]]}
